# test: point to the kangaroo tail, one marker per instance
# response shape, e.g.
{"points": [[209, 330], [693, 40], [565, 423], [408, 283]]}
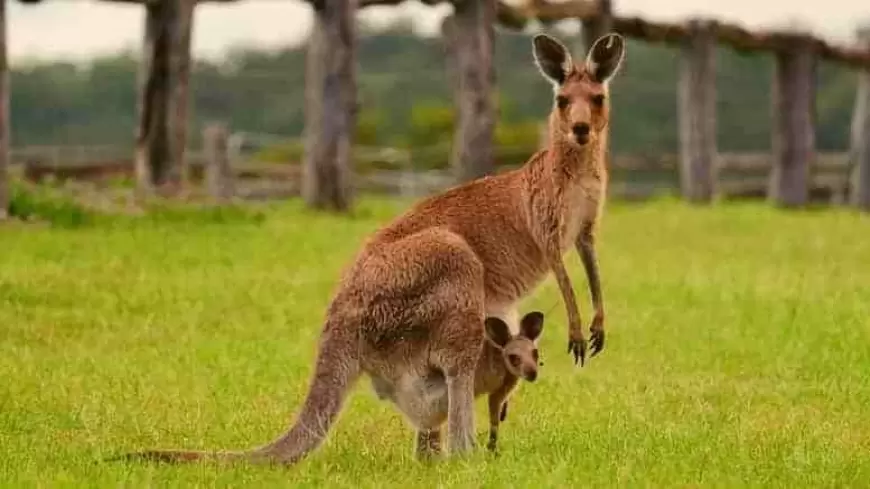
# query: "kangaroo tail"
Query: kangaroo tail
{"points": [[337, 369], [181, 456]]}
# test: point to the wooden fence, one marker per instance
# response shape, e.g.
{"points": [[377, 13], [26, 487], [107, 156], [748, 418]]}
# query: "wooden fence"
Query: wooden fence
{"points": [[468, 33], [225, 175]]}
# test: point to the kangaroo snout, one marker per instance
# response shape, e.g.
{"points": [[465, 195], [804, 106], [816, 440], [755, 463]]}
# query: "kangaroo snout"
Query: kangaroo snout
{"points": [[531, 375], [581, 132]]}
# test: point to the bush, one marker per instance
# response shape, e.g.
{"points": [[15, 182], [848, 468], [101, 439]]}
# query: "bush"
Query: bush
{"points": [[368, 124], [525, 134], [34, 202], [290, 152], [432, 123], [515, 143]]}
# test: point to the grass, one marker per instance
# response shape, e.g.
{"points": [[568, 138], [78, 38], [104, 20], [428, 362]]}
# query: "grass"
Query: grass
{"points": [[738, 354]]}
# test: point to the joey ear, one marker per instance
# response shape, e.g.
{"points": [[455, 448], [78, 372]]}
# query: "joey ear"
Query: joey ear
{"points": [[497, 331], [552, 57], [605, 57], [532, 324]]}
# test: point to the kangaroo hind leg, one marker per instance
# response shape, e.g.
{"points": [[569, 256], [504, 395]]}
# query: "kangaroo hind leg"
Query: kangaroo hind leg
{"points": [[456, 355]]}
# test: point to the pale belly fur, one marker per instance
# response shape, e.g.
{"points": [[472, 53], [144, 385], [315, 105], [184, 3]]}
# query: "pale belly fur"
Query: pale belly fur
{"points": [[422, 399]]}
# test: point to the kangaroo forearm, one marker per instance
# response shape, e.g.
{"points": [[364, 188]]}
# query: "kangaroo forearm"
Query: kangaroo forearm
{"points": [[495, 411], [495, 404], [567, 290], [586, 249], [499, 397]]}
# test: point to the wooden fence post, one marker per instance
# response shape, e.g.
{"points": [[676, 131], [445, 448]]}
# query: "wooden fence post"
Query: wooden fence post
{"points": [[859, 192], [469, 38], [794, 101], [330, 106], [4, 117], [162, 108], [697, 112], [593, 29], [218, 173], [599, 25]]}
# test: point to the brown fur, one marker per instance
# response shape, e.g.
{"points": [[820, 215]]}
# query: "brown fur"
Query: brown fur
{"points": [[416, 297]]}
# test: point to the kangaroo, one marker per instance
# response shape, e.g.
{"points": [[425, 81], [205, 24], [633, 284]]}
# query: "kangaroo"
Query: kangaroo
{"points": [[504, 359], [420, 288]]}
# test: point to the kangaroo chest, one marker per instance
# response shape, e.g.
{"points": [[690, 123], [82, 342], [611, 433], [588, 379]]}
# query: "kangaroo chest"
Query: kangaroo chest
{"points": [[580, 206]]}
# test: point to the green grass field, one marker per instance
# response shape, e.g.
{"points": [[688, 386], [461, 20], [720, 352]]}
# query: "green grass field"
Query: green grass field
{"points": [[738, 354]]}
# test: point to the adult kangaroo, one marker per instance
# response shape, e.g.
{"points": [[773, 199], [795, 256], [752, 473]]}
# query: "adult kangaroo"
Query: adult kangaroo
{"points": [[421, 287]]}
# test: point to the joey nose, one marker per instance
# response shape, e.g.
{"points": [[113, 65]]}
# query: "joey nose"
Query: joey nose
{"points": [[532, 375], [581, 132]]}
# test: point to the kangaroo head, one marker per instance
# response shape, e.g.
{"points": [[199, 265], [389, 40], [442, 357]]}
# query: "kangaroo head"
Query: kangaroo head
{"points": [[521, 351], [581, 109]]}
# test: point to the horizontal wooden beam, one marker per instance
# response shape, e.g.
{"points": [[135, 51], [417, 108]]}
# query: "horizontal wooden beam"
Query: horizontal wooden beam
{"points": [[390, 3], [733, 35], [547, 12], [134, 2], [675, 33]]}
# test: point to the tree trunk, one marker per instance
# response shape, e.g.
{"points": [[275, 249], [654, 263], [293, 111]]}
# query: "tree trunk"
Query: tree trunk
{"points": [[218, 173], [794, 104], [469, 37], [597, 26], [4, 117], [859, 194], [697, 113], [330, 106], [163, 96], [593, 29]]}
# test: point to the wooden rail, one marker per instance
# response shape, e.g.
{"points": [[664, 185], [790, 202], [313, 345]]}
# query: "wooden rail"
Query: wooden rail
{"points": [[634, 176], [331, 88]]}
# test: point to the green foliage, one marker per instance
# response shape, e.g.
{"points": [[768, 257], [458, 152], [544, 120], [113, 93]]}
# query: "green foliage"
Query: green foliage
{"points": [[516, 142], [406, 97], [291, 152], [369, 125], [520, 134], [32, 202], [368, 133], [735, 356], [432, 123]]}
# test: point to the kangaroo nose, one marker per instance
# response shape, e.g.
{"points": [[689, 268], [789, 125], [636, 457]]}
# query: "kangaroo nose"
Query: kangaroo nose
{"points": [[581, 132], [532, 375]]}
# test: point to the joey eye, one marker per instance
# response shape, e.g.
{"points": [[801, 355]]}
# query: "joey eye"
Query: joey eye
{"points": [[561, 101], [598, 100], [514, 359]]}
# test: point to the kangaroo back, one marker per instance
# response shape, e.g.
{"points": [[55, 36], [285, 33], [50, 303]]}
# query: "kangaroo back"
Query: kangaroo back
{"points": [[337, 369]]}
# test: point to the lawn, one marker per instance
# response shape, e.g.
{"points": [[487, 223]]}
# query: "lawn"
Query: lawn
{"points": [[738, 354]]}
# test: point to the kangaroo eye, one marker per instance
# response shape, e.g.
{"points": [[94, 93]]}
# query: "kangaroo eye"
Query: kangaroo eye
{"points": [[598, 100], [514, 359], [561, 101]]}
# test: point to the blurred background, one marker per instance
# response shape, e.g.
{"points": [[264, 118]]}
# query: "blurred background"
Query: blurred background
{"points": [[78, 102]]}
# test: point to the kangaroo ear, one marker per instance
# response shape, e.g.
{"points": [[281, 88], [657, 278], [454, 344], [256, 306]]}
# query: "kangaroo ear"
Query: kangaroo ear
{"points": [[532, 324], [497, 331], [552, 57], [605, 57]]}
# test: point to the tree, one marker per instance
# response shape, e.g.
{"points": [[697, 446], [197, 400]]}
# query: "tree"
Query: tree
{"points": [[469, 36], [330, 106], [4, 117]]}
